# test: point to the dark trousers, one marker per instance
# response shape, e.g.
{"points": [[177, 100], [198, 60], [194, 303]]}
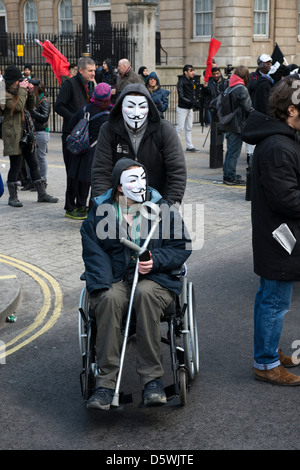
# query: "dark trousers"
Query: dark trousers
{"points": [[16, 164], [77, 191]]}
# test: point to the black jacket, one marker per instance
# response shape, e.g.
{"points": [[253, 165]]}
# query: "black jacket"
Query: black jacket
{"points": [[275, 194], [40, 114], [241, 102], [109, 76], [186, 92], [160, 151], [214, 88], [71, 97], [259, 89]]}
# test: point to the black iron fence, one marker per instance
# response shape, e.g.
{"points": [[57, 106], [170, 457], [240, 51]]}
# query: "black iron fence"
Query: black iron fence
{"points": [[111, 41]]}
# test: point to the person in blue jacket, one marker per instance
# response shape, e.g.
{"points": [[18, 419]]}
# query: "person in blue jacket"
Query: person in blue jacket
{"points": [[158, 94], [109, 268]]}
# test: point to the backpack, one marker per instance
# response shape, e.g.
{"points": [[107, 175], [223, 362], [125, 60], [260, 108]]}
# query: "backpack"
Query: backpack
{"points": [[221, 107], [79, 139]]}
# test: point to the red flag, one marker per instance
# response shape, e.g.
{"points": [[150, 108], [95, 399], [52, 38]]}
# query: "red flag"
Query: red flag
{"points": [[56, 59], [212, 50]]}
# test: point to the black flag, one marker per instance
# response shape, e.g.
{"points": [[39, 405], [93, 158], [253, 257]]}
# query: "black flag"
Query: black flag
{"points": [[277, 55]]}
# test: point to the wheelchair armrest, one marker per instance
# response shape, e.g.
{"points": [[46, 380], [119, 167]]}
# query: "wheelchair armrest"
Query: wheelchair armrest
{"points": [[176, 272]]}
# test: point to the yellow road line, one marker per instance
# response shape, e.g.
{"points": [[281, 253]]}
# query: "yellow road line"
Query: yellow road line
{"points": [[36, 274], [8, 276], [49, 164]]}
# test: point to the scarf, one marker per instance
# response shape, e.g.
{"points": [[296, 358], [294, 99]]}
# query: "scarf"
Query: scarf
{"points": [[133, 229], [88, 87], [126, 71]]}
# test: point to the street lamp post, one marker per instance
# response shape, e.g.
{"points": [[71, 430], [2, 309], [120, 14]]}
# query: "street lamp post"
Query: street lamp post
{"points": [[85, 28]]}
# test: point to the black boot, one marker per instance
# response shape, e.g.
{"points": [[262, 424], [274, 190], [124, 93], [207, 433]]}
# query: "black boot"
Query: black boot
{"points": [[13, 195], [28, 185], [43, 196]]}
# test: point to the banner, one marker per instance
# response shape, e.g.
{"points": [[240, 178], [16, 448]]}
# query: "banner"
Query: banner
{"points": [[56, 59], [277, 55], [213, 49]]}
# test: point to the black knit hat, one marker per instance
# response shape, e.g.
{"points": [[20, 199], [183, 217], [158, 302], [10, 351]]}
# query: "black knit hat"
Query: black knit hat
{"points": [[12, 74]]}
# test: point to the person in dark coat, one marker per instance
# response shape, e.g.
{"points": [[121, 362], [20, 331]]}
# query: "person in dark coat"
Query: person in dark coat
{"points": [[135, 130], [260, 84], [216, 85], [126, 75], [100, 106], [109, 267], [275, 201], [73, 95], [107, 75], [158, 94], [40, 116], [241, 103], [143, 72], [186, 102]]}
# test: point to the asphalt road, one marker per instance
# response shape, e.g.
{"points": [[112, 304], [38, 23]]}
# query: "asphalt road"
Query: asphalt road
{"points": [[41, 407]]}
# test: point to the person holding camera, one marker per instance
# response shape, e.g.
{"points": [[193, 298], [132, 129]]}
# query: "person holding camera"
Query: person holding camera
{"points": [[16, 131], [40, 115]]}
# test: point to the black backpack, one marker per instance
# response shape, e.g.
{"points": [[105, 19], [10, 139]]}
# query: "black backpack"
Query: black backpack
{"points": [[221, 107]]}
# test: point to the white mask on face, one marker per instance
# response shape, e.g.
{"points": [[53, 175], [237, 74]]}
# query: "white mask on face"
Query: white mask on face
{"points": [[135, 110], [133, 182]]}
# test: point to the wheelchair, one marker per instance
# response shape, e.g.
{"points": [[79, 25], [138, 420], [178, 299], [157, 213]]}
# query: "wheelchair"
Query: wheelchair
{"points": [[181, 337]]}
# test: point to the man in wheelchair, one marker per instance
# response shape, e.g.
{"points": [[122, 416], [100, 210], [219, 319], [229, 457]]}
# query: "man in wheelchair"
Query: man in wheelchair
{"points": [[109, 267]]}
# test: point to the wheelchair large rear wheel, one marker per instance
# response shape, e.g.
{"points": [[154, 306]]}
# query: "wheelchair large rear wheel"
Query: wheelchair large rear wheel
{"points": [[86, 346], [182, 385], [190, 338], [83, 311]]}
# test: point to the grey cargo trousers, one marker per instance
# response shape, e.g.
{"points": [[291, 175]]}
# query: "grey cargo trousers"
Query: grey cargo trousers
{"points": [[150, 302]]}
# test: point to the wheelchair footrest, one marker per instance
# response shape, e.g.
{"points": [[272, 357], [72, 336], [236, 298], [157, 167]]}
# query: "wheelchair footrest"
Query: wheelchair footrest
{"points": [[170, 390]]}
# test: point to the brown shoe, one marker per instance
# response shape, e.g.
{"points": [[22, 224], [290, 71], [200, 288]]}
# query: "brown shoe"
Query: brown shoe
{"points": [[277, 376], [287, 361]]}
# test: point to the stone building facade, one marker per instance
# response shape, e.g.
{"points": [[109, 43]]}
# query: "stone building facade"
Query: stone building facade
{"points": [[245, 28]]}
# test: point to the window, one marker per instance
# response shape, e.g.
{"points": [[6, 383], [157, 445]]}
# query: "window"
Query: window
{"points": [[2, 8], [65, 14], [261, 18], [98, 3], [30, 18], [2, 18], [203, 15]]}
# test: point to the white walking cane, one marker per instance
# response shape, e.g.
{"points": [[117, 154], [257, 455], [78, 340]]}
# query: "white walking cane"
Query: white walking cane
{"points": [[156, 217]]}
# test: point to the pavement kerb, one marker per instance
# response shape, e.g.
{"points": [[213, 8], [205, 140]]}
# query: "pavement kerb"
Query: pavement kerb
{"points": [[10, 289]]}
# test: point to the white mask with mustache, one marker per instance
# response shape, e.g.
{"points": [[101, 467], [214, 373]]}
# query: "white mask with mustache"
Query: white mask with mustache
{"points": [[133, 182], [135, 110]]}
